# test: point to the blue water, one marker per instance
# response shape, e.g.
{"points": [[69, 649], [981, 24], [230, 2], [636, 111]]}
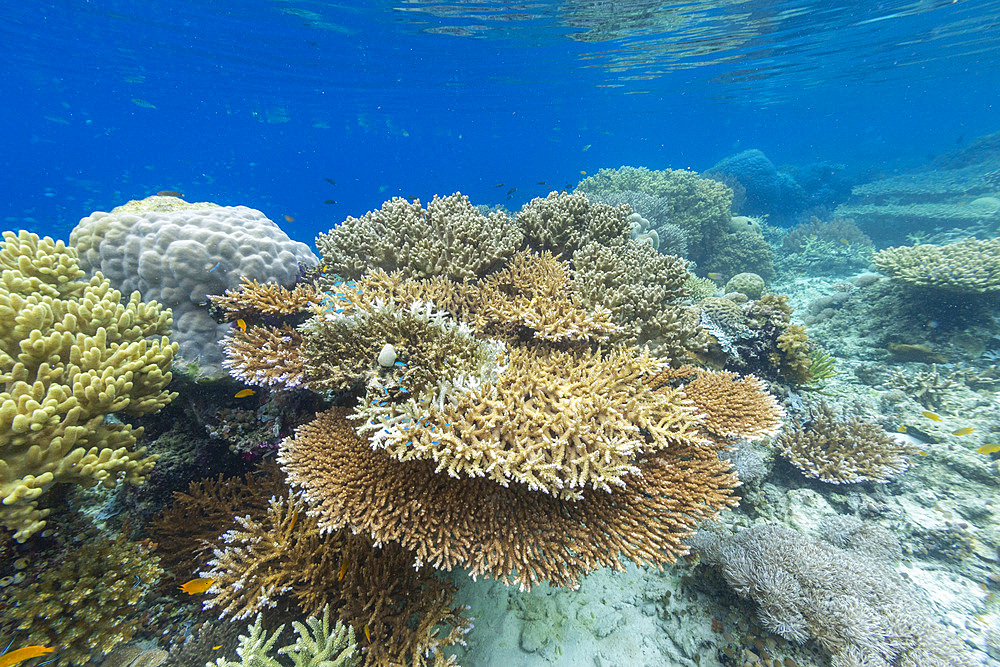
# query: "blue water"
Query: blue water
{"points": [[257, 102]]}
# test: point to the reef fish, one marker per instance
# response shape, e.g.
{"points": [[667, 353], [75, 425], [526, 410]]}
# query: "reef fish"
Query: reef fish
{"points": [[22, 654], [931, 416], [196, 586], [368, 633], [289, 218], [241, 325], [989, 449], [170, 193], [243, 393], [963, 431]]}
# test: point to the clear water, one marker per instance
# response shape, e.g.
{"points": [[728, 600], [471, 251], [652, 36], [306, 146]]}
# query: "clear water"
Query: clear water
{"points": [[315, 111]]}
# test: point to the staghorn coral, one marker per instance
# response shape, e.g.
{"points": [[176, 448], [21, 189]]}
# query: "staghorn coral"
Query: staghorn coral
{"points": [[928, 388], [644, 292], [794, 357], [856, 607], [510, 533], [265, 356], [448, 238], [178, 252], [970, 266], [842, 448], [71, 353], [84, 604], [316, 645], [253, 299], [283, 556], [564, 223], [557, 422]]}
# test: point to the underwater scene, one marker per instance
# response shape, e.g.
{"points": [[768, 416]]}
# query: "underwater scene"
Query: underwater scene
{"points": [[572, 333]]}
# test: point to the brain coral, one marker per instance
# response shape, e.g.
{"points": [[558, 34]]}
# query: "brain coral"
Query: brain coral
{"points": [[71, 353], [178, 252]]}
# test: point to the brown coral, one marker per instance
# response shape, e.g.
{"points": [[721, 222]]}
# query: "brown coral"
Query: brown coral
{"points": [[510, 533], [843, 448], [265, 356], [563, 222], [970, 266], [283, 555], [252, 299]]}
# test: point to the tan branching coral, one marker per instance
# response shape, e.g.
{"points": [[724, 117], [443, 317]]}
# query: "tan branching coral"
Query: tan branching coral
{"points": [[510, 533], [252, 299], [564, 223], [843, 448], [557, 422], [283, 555], [86, 604], [71, 353], [449, 238], [265, 356], [970, 266]]}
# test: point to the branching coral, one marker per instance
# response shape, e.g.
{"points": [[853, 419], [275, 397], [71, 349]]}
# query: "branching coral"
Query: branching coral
{"points": [[970, 266], [927, 388], [448, 238], [71, 353], [511, 533], [85, 604], [843, 448], [282, 555], [266, 356], [316, 645], [253, 299], [564, 222]]}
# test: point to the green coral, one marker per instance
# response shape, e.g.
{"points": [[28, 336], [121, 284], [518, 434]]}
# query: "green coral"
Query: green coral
{"points": [[970, 266], [450, 238], [750, 284], [71, 353], [86, 604], [316, 645]]}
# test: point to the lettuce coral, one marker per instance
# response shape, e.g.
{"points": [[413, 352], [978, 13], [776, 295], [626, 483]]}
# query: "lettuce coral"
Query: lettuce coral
{"points": [[71, 353]]}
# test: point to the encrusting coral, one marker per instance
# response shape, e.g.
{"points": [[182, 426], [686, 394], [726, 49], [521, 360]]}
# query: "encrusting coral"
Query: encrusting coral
{"points": [[283, 556], [86, 603], [71, 353], [449, 238], [970, 266], [842, 448], [316, 645]]}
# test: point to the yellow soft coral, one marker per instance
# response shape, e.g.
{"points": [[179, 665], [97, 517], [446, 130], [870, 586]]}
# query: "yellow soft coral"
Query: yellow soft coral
{"points": [[70, 353]]}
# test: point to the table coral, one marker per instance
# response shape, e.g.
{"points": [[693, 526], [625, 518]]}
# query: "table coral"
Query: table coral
{"points": [[71, 353], [970, 266]]}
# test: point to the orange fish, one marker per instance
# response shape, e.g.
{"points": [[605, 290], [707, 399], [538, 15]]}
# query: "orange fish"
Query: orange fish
{"points": [[368, 633], [343, 570], [196, 586], [989, 449], [170, 193], [22, 654], [243, 393], [289, 218], [241, 324]]}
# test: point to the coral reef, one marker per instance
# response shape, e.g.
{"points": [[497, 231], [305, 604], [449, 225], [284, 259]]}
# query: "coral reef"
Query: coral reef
{"points": [[830, 247], [928, 388], [178, 253], [564, 223], [84, 603], [654, 221], [283, 556], [449, 238], [316, 645], [842, 448], [746, 283], [71, 354], [970, 266], [767, 190], [851, 602]]}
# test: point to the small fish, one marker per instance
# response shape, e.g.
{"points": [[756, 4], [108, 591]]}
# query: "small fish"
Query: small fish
{"points": [[512, 191], [243, 393], [902, 428], [330, 181], [989, 449], [216, 648], [921, 452], [966, 430], [498, 185], [585, 148], [289, 218], [343, 571], [241, 325], [171, 193], [214, 267], [22, 654], [714, 275], [294, 519], [845, 241], [143, 103], [368, 633], [931, 415], [583, 172], [541, 183], [195, 586], [329, 201]]}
